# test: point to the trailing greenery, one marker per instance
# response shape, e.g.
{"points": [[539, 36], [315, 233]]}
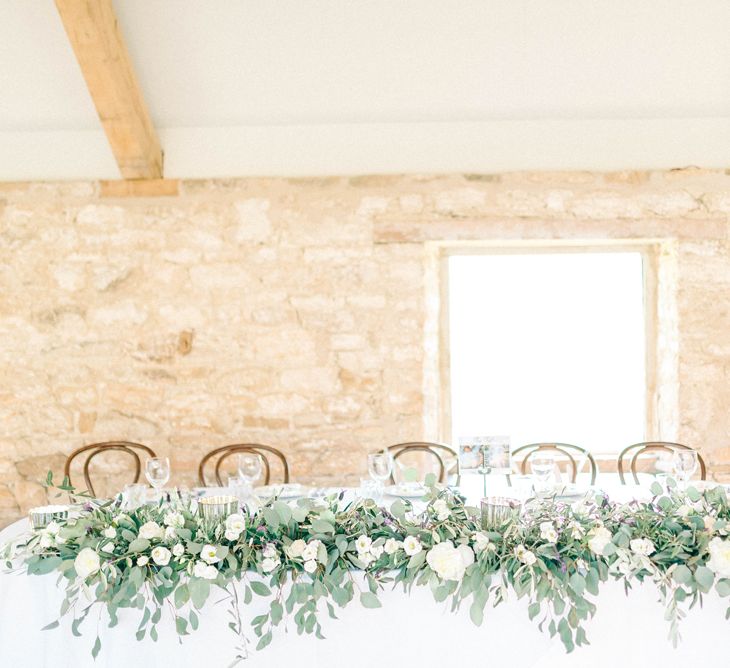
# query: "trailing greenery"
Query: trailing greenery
{"points": [[301, 558]]}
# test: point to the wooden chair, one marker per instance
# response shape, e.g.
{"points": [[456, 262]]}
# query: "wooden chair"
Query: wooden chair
{"points": [[227, 451], [94, 449], [562, 450], [439, 451], [637, 449]]}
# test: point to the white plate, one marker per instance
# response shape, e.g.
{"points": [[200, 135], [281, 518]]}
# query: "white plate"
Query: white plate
{"points": [[290, 490], [406, 491]]}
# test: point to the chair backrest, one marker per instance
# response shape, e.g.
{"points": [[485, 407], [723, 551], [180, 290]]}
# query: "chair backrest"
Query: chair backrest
{"points": [[439, 451], [570, 452], [227, 451], [635, 450], [94, 449]]}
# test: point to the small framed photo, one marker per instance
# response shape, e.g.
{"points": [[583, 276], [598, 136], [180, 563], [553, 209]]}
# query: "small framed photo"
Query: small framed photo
{"points": [[471, 457]]}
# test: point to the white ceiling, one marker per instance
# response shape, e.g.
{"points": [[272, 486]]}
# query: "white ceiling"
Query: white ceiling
{"points": [[239, 87]]}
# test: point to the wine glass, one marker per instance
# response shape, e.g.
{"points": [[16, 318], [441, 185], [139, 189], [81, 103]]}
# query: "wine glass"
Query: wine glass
{"points": [[249, 467], [543, 469], [380, 467], [684, 464], [157, 472]]}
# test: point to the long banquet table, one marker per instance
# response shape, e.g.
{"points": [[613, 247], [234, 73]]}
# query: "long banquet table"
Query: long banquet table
{"points": [[409, 630]]}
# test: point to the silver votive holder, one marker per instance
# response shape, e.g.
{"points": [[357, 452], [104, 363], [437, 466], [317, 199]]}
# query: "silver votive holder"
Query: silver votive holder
{"points": [[497, 511], [42, 516], [217, 507]]}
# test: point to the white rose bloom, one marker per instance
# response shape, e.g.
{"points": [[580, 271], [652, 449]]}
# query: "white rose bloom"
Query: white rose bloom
{"points": [[296, 549], [110, 532], [441, 508], [270, 551], [362, 544], [599, 538], [548, 532], [174, 519], [46, 540], [151, 531], [392, 546], [450, 562], [642, 546], [161, 555], [309, 553], [376, 551], [170, 533], [143, 560], [310, 566], [235, 522], [211, 573], [86, 563], [209, 554], [232, 535], [108, 547], [481, 541], [54, 527], [269, 564], [719, 560], [178, 549], [524, 555], [203, 570], [412, 545]]}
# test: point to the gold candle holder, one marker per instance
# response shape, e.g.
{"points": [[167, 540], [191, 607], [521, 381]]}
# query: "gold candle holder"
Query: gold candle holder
{"points": [[217, 507], [497, 511], [42, 516]]}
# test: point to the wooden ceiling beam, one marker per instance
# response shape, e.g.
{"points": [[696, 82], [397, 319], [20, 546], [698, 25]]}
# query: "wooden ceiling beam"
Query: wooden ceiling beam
{"points": [[94, 34]]}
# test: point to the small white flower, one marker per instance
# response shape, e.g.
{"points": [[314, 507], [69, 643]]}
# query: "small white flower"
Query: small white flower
{"points": [[205, 571], [236, 523], [161, 555], [481, 541], [441, 508], [719, 560], [376, 551], [270, 551], [143, 560], [412, 545], [46, 540], [392, 546], [151, 531], [310, 552], [108, 547], [524, 555], [54, 527], [600, 537], [269, 564], [548, 532], [232, 535], [366, 558], [296, 548], [174, 519], [310, 566], [178, 549], [642, 546], [170, 533], [209, 554], [110, 532], [86, 563], [362, 544]]}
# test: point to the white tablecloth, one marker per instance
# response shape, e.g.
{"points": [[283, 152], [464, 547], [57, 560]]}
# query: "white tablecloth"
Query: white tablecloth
{"points": [[409, 630]]}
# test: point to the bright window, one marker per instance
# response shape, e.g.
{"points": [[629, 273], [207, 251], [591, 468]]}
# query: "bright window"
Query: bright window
{"points": [[548, 347]]}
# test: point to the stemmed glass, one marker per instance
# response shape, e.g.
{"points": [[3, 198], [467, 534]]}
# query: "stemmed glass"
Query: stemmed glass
{"points": [[684, 464], [380, 468], [249, 468], [157, 472], [543, 469]]}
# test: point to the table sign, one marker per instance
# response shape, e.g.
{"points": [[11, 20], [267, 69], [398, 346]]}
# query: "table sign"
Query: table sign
{"points": [[485, 455]]}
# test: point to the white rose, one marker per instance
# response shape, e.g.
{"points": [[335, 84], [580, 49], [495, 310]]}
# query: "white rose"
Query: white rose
{"points": [[54, 527], [161, 555], [524, 555], [642, 546], [143, 560], [108, 548], [203, 570], [309, 553], [441, 508], [174, 519], [110, 532], [178, 549], [376, 551], [310, 566], [211, 573], [232, 535], [450, 562], [392, 546], [235, 523], [548, 532], [269, 564], [362, 544], [412, 545], [151, 531], [170, 533], [270, 551], [296, 549], [599, 538], [209, 554], [86, 563], [719, 560]]}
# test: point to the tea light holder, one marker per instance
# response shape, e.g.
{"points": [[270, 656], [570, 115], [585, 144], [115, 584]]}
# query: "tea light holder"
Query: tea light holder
{"points": [[497, 511], [217, 507], [42, 516]]}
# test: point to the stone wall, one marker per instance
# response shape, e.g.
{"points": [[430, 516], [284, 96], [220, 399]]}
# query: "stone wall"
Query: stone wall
{"points": [[299, 312]]}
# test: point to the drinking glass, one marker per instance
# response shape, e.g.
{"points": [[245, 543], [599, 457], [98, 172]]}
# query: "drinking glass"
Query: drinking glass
{"points": [[249, 467], [157, 472], [684, 464], [380, 467], [543, 469]]}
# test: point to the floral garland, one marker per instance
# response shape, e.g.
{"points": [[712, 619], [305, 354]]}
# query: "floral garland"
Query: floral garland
{"points": [[555, 554]]}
